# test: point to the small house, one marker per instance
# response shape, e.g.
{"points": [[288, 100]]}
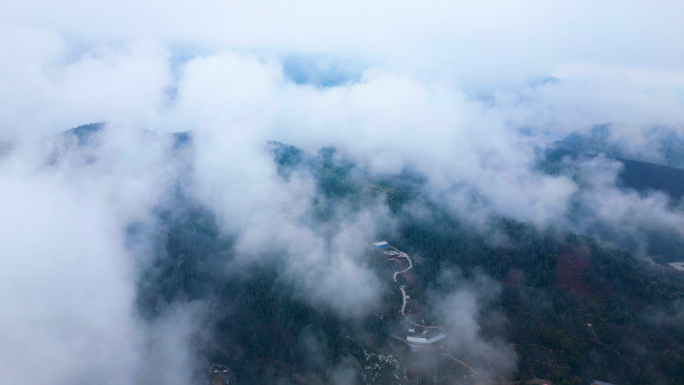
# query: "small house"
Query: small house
{"points": [[221, 378], [220, 375], [416, 342]]}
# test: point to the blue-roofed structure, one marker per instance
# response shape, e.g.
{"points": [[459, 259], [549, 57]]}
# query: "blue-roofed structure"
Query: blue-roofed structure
{"points": [[381, 244]]}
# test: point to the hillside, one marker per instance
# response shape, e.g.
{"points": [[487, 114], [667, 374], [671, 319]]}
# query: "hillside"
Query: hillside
{"points": [[660, 145], [637, 175], [561, 306]]}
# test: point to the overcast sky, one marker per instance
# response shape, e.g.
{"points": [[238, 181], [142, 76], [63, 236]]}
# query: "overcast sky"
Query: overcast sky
{"points": [[60, 56], [484, 37]]}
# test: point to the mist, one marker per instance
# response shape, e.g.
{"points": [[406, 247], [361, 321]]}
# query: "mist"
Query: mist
{"points": [[465, 98]]}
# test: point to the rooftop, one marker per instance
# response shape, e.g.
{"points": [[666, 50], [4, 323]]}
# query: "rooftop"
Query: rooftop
{"points": [[425, 341]]}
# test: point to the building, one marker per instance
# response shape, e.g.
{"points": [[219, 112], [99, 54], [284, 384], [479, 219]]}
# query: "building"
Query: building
{"points": [[381, 244], [220, 375], [597, 382], [221, 378], [416, 342], [677, 265]]}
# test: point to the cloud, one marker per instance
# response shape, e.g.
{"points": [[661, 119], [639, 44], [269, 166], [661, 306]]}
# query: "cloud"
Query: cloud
{"points": [[487, 42], [45, 92], [458, 305], [72, 314], [624, 217], [69, 314], [433, 88], [590, 93]]}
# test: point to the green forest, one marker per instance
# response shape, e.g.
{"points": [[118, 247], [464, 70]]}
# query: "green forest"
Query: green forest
{"points": [[575, 309]]}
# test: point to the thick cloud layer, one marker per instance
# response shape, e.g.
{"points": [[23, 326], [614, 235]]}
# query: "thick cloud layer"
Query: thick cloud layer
{"points": [[488, 41], [69, 312], [449, 91], [69, 294]]}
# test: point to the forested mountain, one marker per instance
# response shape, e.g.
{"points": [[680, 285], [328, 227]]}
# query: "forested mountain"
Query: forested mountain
{"points": [[569, 308], [659, 145], [642, 177], [637, 175], [342, 192]]}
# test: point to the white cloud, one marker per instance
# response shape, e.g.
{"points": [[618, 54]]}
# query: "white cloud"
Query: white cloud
{"points": [[487, 42], [67, 314], [442, 93]]}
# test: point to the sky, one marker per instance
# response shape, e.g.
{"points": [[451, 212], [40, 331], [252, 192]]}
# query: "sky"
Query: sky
{"points": [[58, 53], [465, 93]]}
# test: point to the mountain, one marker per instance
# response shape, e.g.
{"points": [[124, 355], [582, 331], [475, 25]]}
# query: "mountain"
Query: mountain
{"points": [[637, 175], [513, 301], [84, 132], [563, 306], [659, 145], [643, 177]]}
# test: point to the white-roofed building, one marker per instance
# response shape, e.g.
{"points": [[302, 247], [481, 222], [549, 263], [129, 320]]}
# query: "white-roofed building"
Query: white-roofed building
{"points": [[423, 341]]}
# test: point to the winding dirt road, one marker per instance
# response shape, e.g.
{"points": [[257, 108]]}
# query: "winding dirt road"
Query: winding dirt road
{"points": [[394, 253], [400, 254]]}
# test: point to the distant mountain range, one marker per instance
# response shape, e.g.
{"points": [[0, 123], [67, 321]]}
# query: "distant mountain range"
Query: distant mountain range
{"points": [[658, 145], [657, 165], [84, 132]]}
